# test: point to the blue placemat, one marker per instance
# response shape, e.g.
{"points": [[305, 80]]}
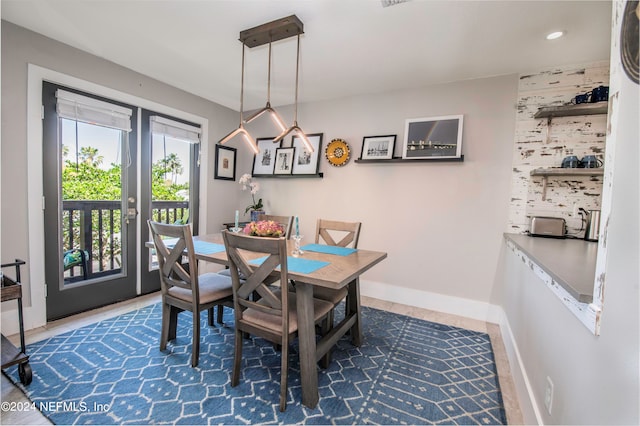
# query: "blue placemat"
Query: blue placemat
{"points": [[204, 247], [297, 264], [201, 247], [323, 248]]}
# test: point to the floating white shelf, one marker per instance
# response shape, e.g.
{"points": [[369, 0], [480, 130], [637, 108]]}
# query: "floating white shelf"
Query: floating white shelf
{"points": [[556, 171]]}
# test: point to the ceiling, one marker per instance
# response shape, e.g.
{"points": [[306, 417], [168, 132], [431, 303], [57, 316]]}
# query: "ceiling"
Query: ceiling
{"points": [[349, 47]]}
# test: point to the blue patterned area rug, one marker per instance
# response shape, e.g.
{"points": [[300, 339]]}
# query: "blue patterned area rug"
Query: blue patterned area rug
{"points": [[408, 371]]}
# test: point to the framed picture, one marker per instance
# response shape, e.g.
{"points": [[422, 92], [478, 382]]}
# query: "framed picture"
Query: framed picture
{"points": [[306, 163], [265, 160], [378, 147], [284, 161], [225, 163], [433, 138]]}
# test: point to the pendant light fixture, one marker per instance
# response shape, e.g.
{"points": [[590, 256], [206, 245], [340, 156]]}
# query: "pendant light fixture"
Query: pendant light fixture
{"points": [[272, 113], [295, 129], [241, 130], [267, 33]]}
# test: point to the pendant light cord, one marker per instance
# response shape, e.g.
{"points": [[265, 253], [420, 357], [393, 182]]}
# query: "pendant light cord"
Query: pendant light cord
{"points": [[269, 79], [242, 86], [295, 112]]}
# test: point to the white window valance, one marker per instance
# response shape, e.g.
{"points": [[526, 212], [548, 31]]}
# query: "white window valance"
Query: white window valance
{"points": [[93, 111], [175, 129]]}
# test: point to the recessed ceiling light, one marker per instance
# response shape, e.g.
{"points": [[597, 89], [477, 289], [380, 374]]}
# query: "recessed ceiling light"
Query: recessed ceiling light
{"points": [[554, 35]]}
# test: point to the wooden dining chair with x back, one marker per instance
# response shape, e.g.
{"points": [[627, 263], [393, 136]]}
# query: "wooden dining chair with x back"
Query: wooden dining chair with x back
{"points": [[285, 221], [341, 234], [273, 315], [182, 288]]}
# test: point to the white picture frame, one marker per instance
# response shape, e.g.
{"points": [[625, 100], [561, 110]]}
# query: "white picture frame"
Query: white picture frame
{"points": [[378, 147], [433, 138]]}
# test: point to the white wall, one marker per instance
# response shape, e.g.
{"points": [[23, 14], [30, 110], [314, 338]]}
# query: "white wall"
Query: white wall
{"points": [[596, 378], [440, 222]]}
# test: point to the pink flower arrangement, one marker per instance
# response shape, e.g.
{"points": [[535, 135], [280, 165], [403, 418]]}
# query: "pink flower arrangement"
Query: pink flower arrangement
{"points": [[264, 228]]}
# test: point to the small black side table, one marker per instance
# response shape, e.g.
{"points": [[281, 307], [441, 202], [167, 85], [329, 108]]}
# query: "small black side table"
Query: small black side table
{"points": [[12, 290]]}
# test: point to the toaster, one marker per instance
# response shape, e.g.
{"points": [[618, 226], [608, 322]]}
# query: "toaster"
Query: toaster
{"points": [[553, 227]]}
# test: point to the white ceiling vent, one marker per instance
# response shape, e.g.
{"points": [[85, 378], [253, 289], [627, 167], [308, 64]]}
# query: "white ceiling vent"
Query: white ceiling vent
{"points": [[387, 3]]}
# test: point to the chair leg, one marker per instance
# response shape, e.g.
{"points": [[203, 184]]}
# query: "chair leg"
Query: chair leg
{"points": [[284, 373], [220, 314], [210, 316], [237, 358], [169, 324], [195, 346], [166, 325]]}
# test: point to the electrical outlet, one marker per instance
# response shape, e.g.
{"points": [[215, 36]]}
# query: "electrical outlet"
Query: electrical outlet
{"points": [[548, 395]]}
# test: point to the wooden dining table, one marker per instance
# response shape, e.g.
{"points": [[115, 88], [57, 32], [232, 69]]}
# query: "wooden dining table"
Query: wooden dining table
{"points": [[340, 271]]}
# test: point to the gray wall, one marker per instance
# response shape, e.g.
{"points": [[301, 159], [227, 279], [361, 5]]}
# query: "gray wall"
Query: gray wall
{"points": [[441, 223], [430, 217], [436, 212], [21, 47]]}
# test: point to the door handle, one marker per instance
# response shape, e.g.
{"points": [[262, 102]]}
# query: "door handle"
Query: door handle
{"points": [[132, 213]]}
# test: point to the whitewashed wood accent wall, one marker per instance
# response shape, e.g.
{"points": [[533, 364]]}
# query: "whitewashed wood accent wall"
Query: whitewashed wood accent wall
{"points": [[578, 135]]}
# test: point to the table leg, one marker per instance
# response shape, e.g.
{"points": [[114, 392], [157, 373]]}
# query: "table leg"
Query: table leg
{"points": [[353, 306], [307, 343]]}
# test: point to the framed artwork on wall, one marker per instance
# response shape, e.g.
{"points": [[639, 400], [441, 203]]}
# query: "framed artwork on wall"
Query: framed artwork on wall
{"points": [[305, 162], [378, 147], [284, 161], [433, 138], [225, 166], [264, 162]]}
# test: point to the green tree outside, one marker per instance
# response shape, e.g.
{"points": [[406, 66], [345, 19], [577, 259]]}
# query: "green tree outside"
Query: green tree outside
{"points": [[85, 180]]}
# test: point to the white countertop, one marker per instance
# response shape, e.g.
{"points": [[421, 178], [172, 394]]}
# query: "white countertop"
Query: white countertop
{"points": [[570, 262]]}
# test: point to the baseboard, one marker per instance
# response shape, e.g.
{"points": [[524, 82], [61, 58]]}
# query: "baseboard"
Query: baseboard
{"points": [[470, 309], [526, 397], [433, 301]]}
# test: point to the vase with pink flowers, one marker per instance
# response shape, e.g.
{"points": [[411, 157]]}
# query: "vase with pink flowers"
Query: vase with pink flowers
{"points": [[264, 228]]}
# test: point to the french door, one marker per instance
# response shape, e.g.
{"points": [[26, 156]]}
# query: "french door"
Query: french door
{"points": [[92, 182], [90, 190], [170, 181]]}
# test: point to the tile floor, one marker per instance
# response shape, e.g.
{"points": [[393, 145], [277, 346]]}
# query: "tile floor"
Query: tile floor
{"points": [[11, 393]]}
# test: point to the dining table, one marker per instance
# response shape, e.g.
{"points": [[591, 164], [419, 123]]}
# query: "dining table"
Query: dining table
{"points": [[339, 268]]}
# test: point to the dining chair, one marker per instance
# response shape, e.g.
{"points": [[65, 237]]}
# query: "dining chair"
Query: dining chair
{"points": [[285, 221], [273, 315], [182, 288], [342, 234], [335, 233]]}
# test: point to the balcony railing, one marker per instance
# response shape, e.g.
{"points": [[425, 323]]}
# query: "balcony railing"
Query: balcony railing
{"points": [[96, 227]]}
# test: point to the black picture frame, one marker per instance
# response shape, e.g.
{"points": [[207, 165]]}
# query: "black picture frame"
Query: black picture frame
{"points": [[378, 147], [307, 163], [264, 162], [284, 161], [225, 163], [433, 138]]}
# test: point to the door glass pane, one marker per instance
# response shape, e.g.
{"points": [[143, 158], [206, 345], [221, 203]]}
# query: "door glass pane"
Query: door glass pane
{"points": [[170, 182], [170, 174], [92, 191]]}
